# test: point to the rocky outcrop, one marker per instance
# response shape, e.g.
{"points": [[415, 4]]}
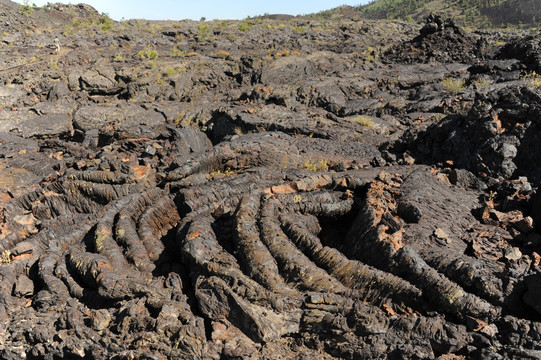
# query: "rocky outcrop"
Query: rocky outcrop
{"points": [[442, 41]]}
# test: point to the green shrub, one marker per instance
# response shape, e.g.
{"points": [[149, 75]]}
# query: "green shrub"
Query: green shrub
{"points": [[26, 9], [147, 53], [245, 25], [453, 86], [322, 165], [220, 25], [364, 121], [177, 53], [106, 22], [223, 54], [5, 257], [203, 32]]}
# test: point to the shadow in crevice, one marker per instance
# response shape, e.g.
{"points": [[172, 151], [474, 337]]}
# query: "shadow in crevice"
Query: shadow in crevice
{"points": [[170, 262]]}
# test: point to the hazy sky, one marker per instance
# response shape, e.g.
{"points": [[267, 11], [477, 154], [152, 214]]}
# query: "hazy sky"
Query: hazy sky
{"points": [[211, 9]]}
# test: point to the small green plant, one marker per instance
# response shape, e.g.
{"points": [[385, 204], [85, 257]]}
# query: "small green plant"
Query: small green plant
{"points": [[203, 32], [322, 165], [177, 53], [76, 23], [453, 86], [245, 25], [106, 22], [5, 258], [370, 54], [533, 78], [147, 53], [223, 54], [364, 121], [278, 54], [299, 30], [218, 174], [54, 65], [310, 166], [26, 9], [220, 25], [117, 58], [68, 30], [153, 29]]}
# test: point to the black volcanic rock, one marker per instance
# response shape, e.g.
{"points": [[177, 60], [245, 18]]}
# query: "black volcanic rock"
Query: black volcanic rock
{"points": [[267, 188], [527, 50], [439, 40]]}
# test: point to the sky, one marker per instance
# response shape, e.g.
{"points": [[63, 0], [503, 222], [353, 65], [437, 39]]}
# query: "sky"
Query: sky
{"points": [[196, 9]]}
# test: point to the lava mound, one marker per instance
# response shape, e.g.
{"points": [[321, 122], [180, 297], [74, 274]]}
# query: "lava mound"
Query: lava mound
{"points": [[439, 40], [526, 50]]}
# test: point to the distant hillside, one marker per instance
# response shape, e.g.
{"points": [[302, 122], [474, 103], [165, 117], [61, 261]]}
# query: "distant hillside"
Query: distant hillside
{"points": [[15, 17], [475, 13]]}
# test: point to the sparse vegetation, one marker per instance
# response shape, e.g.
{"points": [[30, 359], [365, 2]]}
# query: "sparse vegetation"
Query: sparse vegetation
{"points": [[106, 23], [170, 71], [300, 29], [203, 32], [223, 54], [27, 9], [322, 165], [147, 53], [370, 54], [481, 83], [454, 86], [364, 121], [245, 25], [177, 53], [218, 174], [220, 25], [5, 257], [278, 54], [471, 13], [533, 78]]}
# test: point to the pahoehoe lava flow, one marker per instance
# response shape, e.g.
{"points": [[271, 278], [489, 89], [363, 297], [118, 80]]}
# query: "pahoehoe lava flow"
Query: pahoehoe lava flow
{"points": [[268, 189]]}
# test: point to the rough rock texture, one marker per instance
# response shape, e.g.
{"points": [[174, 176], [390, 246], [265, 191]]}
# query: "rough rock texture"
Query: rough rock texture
{"points": [[268, 189], [442, 41]]}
